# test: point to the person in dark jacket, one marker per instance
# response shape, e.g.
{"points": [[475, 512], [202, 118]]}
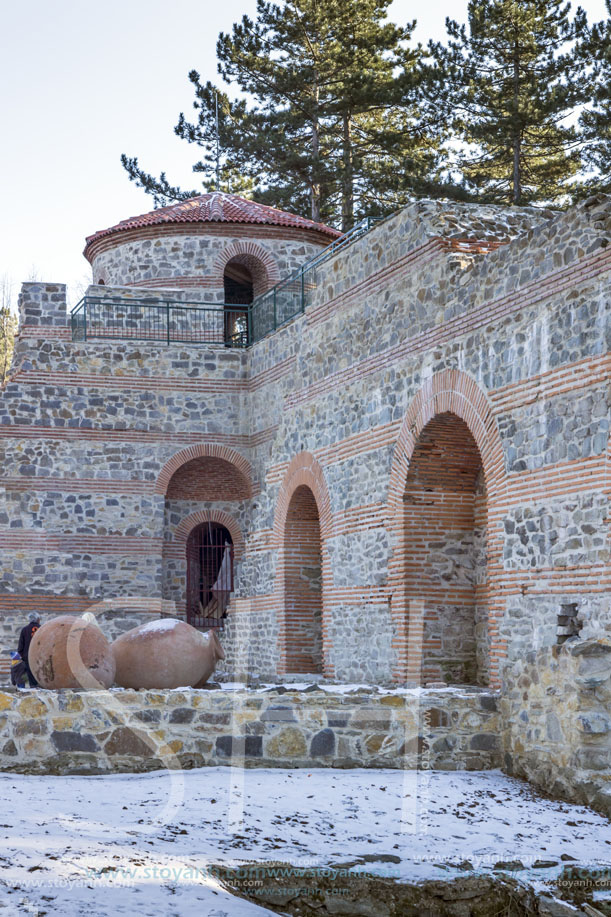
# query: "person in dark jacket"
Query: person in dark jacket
{"points": [[25, 638]]}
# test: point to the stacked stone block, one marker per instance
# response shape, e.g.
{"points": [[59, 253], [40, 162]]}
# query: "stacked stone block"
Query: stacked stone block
{"points": [[96, 732], [556, 711]]}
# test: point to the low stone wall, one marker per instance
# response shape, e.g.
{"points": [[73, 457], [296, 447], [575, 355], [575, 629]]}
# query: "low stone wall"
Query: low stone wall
{"points": [[69, 732], [556, 711]]}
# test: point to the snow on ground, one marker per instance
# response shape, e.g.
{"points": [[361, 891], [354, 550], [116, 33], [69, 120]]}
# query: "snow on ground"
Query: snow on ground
{"points": [[141, 844]]}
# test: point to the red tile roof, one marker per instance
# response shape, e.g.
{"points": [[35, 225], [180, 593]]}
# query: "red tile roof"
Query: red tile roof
{"points": [[215, 207]]}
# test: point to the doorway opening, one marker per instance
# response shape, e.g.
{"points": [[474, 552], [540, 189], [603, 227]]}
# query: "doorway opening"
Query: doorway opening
{"points": [[239, 288], [209, 574]]}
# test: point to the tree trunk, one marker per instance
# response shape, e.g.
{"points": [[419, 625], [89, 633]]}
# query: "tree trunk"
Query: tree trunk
{"points": [[517, 140], [315, 183], [348, 176]]}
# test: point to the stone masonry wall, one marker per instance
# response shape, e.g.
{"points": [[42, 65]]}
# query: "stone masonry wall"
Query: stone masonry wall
{"points": [[42, 304], [399, 328], [435, 311], [250, 640], [119, 730], [556, 712], [191, 260], [80, 519]]}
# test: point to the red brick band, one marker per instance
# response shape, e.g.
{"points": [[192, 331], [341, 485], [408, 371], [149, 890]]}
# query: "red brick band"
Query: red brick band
{"points": [[210, 230]]}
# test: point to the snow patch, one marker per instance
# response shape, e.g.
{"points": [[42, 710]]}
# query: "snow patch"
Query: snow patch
{"points": [[455, 690], [162, 626]]}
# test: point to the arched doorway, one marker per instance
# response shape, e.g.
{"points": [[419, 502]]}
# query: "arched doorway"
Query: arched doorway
{"points": [[239, 281], [203, 483], [209, 574], [303, 584], [445, 553]]}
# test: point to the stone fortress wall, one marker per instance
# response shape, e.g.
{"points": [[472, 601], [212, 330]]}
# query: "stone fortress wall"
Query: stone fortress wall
{"points": [[555, 714], [415, 472], [100, 731]]}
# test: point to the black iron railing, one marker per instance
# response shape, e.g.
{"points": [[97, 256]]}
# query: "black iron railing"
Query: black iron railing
{"points": [[221, 324], [165, 321]]}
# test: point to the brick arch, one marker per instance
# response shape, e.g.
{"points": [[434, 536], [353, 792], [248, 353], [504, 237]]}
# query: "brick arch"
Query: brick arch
{"points": [[259, 261], [186, 526], [448, 392], [202, 450], [304, 471], [457, 393]]}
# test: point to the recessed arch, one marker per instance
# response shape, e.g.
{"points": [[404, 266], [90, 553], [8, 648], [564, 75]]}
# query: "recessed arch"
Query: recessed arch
{"points": [[192, 521], [207, 450], [449, 393], [454, 391], [303, 469], [209, 479], [176, 556], [302, 525], [255, 258]]}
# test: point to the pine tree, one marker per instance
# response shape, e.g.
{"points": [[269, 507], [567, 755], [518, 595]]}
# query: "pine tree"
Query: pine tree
{"points": [[324, 72], [596, 118], [335, 128], [216, 115], [513, 78], [386, 144]]}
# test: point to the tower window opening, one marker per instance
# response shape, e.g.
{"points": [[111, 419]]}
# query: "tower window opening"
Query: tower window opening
{"points": [[239, 291], [239, 284]]}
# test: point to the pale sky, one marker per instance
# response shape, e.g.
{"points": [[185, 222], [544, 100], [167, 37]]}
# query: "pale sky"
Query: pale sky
{"points": [[84, 82]]}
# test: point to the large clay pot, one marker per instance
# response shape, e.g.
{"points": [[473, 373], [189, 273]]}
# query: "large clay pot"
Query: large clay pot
{"points": [[70, 652], [166, 653]]}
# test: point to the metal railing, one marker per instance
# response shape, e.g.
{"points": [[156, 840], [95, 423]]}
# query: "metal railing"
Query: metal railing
{"points": [[222, 324], [166, 321], [291, 296]]}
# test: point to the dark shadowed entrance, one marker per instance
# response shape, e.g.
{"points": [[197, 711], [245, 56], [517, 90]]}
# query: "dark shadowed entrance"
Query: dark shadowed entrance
{"points": [[239, 289], [209, 574]]}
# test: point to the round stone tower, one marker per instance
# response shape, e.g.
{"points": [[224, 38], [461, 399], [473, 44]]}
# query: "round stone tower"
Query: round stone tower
{"points": [[231, 248]]}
